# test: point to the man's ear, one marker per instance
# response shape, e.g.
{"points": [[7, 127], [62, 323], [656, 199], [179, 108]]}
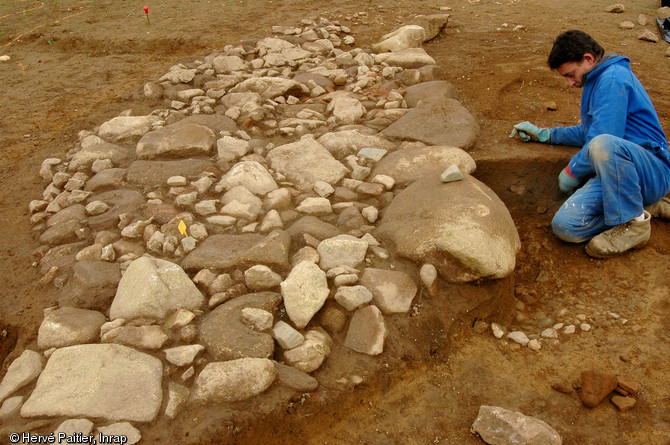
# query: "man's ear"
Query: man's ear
{"points": [[589, 58]]}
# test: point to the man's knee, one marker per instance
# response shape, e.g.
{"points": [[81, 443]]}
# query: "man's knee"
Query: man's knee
{"points": [[600, 148], [565, 230]]}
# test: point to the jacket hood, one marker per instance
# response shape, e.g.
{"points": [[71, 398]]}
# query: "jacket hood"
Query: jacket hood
{"points": [[604, 62]]}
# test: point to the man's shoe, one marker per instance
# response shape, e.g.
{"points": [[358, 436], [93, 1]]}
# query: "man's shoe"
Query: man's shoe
{"points": [[617, 240], [661, 209]]}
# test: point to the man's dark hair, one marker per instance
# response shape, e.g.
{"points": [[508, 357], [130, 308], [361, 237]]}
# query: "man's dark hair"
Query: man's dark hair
{"points": [[571, 47]]}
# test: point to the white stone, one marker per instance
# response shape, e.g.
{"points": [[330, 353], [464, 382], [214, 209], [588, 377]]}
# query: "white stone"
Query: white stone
{"points": [[305, 291], [352, 297], [177, 398], [370, 213], [315, 206], [534, 345], [22, 371], [518, 337], [183, 355], [234, 380], [311, 353], [123, 127], [497, 425], [341, 250], [230, 148], [271, 221], [550, 333], [71, 426], [428, 274], [69, 326], [346, 110], [497, 330], [113, 376], [323, 189], [96, 208]]}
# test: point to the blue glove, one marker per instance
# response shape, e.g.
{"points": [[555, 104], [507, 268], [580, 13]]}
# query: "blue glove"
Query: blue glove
{"points": [[566, 182], [529, 132]]}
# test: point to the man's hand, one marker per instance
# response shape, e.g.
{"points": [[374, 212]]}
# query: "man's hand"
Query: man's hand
{"points": [[566, 182], [529, 132]]}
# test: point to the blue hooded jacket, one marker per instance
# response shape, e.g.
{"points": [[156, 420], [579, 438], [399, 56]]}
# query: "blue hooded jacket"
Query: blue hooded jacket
{"points": [[614, 102]]}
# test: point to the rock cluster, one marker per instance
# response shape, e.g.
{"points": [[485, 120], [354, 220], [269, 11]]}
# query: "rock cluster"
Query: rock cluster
{"points": [[212, 232]]}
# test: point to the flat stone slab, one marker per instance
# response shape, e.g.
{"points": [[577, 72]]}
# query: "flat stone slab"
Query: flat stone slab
{"points": [[22, 371], [68, 326], [225, 251], [234, 380], [348, 142], [97, 380], [392, 291], [497, 425], [176, 141], [305, 162], [411, 164], [436, 123], [84, 158]]}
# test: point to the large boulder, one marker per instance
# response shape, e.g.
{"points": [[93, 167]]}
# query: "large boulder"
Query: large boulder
{"points": [[154, 288], [109, 381], [306, 162], [411, 164], [461, 227], [225, 251], [444, 122], [227, 337], [408, 36], [176, 141]]}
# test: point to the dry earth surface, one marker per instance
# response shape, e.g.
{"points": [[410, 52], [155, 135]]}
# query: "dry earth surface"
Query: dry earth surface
{"points": [[75, 64]]}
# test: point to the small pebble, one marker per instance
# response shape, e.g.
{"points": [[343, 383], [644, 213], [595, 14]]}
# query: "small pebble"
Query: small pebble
{"points": [[585, 327]]}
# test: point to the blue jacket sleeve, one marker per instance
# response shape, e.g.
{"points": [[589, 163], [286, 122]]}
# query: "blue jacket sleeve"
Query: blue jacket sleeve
{"points": [[573, 136]]}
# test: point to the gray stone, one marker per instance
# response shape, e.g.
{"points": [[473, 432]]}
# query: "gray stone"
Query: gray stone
{"points": [[108, 178], [234, 380], [22, 371], [501, 426], [352, 297], [313, 226], [467, 233], [140, 337], [113, 376], [295, 379], [451, 174], [270, 87], [91, 285], [648, 36], [518, 337], [341, 250], [156, 173], [304, 292], [69, 326], [119, 201], [75, 212], [286, 335], [250, 175], [392, 291], [183, 355], [215, 122], [375, 154], [154, 288], [179, 74], [432, 23], [225, 335], [347, 142], [436, 123], [311, 353], [315, 206], [229, 148], [367, 331], [305, 162], [124, 127], [176, 141], [227, 251], [130, 434], [61, 233]]}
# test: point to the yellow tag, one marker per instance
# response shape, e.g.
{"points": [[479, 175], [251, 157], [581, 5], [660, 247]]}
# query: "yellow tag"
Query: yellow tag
{"points": [[182, 227]]}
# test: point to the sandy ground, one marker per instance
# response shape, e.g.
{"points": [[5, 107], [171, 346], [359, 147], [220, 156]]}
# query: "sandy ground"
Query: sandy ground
{"points": [[75, 64]]}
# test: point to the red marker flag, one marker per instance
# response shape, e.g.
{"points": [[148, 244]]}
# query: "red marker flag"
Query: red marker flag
{"points": [[146, 11]]}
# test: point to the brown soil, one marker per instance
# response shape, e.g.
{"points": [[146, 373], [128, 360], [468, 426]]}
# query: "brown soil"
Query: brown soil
{"points": [[75, 64]]}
